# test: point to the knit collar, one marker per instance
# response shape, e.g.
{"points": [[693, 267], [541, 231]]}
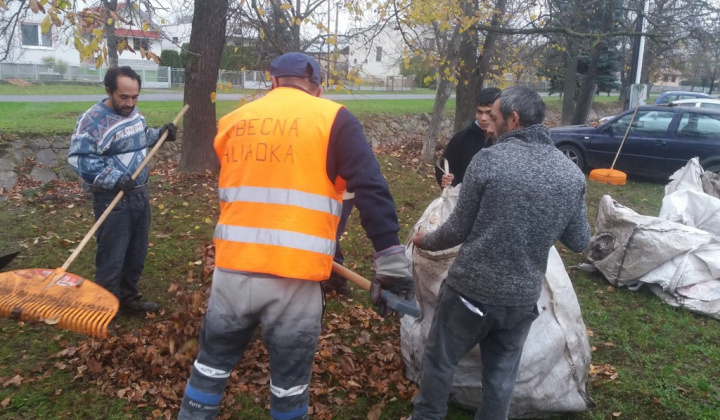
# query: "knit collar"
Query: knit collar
{"points": [[537, 134]]}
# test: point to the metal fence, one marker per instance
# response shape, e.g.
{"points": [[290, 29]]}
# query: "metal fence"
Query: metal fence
{"points": [[684, 88], [249, 79], [166, 77], [154, 78]]}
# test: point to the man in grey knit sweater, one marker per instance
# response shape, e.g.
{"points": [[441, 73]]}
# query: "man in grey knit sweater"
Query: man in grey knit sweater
{"points": [[518, 198]]}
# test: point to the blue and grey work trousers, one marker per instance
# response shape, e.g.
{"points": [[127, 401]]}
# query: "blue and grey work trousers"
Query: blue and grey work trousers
{"points": [[290, 312], [500, 331], [122, 242]]}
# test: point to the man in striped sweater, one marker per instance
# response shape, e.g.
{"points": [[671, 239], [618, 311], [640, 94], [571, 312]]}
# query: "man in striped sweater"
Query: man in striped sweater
{"points": [[109, 144]]}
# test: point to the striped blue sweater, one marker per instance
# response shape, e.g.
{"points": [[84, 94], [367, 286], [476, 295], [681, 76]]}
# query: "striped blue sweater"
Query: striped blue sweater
{"points": [[107, 145]]}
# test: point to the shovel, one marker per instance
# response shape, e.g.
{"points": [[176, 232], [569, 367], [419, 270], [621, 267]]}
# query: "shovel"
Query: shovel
{"points": [[57, 297]]}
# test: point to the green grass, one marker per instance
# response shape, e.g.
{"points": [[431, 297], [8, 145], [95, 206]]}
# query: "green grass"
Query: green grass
{"points": [[98, 89], [555, 101], [667, 359], [27, 119]]}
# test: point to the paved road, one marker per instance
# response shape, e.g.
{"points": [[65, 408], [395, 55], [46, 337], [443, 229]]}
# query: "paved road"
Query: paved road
{"points": [[154, 97]]}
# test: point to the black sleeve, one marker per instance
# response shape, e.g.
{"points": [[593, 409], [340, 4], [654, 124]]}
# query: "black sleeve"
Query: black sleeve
{"points": [[450, 153], [351, 158]]}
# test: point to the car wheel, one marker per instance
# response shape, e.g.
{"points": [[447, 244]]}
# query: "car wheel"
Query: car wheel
{"points": [[574, 154]]}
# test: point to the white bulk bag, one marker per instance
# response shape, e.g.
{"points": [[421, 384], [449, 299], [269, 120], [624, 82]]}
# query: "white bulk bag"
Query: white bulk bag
{"points": [[555, 362]]}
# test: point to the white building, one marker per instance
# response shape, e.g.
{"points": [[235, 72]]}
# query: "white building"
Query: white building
{"points": [[29, 45], [374, 55], [174, 36]]}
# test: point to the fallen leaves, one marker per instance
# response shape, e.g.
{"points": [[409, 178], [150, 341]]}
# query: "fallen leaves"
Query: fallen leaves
{"points": [[602, 374], [358, 357], [16, 380]]}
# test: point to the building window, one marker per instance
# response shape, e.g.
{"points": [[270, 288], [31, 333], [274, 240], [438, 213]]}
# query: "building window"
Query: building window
{"points": [[378, 54], [141, 43], [429, 44], [674, 78], [32, 36], [175, 40], [666, 78]]}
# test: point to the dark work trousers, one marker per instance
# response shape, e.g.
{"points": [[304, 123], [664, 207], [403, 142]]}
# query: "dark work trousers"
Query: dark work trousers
{"points": [[290, 312], [122, 242], [347, 207], [501, 332]]}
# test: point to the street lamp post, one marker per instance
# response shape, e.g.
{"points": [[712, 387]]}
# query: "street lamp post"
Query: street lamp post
{"points": [[638, 91]]}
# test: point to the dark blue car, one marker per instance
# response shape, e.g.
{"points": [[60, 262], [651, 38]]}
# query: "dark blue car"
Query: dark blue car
{"points": [[667, 97], [661, 140]]}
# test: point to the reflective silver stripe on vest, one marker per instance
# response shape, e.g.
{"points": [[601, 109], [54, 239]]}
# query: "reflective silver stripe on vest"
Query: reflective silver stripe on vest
{"points": [[276, 237], [281, 196]]}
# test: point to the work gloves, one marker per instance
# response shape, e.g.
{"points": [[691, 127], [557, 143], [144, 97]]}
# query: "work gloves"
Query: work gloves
{"points": [[392, 272], [126, 184], [171, 130]]}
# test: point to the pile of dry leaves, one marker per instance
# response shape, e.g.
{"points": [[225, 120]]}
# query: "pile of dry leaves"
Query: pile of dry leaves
{"points": [[149, 366]]}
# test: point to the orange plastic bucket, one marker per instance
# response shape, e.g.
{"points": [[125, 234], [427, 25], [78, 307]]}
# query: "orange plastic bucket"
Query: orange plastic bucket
{"points": [[608, 176]]}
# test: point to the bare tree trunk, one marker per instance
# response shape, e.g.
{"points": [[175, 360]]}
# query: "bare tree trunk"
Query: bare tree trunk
{"points": [[570, 83], [441, 97], [464, 113], [296, 29], [112, 42], [712, 79], [468, 79], [587, 92], [207, 39]]}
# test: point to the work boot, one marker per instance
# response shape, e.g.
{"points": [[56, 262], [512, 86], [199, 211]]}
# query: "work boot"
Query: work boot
{"points": [[338, 284], [138, 305]]}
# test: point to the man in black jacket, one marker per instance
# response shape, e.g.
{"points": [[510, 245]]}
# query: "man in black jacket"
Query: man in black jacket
{"points": [[466, 143]]}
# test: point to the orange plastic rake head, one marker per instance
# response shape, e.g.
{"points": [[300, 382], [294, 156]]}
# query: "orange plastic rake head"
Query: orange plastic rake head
{"points": [[608, 176], [57, 298]]}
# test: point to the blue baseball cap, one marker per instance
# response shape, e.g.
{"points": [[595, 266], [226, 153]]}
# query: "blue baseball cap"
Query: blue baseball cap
{"points": [[295, 64]]}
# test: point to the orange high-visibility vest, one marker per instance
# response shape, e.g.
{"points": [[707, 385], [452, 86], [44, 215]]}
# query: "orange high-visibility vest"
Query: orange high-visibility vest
{"points": [[278, 210]]}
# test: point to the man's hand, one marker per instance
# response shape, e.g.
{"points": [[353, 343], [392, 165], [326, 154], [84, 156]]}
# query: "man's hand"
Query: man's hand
{"points": [[126, 184], [417, 239], [171, 130], [446, 180], [392, 272]]}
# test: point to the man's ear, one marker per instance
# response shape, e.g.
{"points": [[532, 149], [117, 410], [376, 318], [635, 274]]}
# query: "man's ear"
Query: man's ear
{"points": [[107, 91], [274, 82], [514, 121], [319, 92]]}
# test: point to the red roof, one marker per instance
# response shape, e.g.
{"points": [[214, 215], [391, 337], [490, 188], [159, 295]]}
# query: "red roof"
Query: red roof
{"points": [[137, 33]]}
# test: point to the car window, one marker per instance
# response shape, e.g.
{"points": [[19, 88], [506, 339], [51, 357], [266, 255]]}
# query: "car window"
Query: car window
{"points": [[645, 123], [699, 126], [668, 99], [709, 105]]}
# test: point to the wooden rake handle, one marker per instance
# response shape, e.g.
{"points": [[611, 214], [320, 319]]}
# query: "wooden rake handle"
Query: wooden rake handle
{"points": [[625, 137], [117, 199]]}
